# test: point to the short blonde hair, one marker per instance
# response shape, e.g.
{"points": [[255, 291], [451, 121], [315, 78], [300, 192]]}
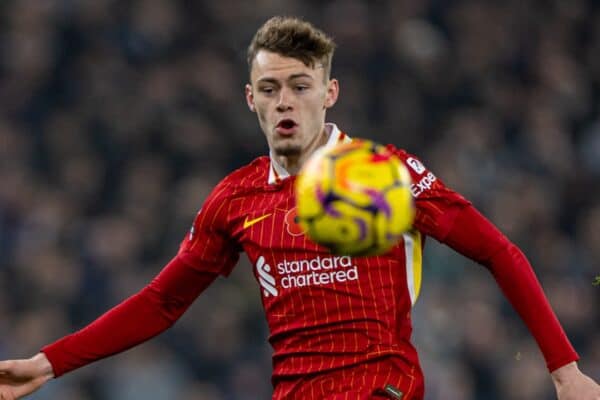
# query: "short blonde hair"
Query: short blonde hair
{"points": [[293, 37]]}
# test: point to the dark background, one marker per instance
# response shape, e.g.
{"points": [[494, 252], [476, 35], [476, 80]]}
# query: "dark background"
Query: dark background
{"points": [[117, 117]]}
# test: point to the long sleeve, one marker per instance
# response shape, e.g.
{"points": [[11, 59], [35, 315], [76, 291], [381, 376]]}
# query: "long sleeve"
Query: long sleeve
{"points": [[451, 219], [205, 253], [137, 319], [472, 235]]}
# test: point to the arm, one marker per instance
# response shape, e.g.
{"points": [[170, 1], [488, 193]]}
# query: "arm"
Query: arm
{"points": [[139, 318], [451, 219], [205, 253], [474, 236]]}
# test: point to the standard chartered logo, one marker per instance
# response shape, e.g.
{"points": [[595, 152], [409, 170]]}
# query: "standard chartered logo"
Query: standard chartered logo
{"points": [[267, 281], [299, 273]]}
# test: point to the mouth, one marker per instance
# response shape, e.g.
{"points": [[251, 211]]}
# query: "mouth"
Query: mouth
{"points": [[286, 127]]}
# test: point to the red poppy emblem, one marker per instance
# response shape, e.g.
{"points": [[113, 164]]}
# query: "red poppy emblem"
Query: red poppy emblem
{"points": [[291, 221]]}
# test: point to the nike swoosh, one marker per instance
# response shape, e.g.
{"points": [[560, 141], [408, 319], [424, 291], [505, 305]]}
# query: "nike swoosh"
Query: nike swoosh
{"points": [[248, 223]]}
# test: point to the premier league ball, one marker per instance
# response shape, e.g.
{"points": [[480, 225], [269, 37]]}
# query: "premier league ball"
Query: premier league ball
{"points": [[355, 198]]}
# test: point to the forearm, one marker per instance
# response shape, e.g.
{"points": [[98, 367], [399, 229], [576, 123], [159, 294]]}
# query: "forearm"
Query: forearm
{"points": [[521, 287], [132, 322], [475, 237], [137, 319]]}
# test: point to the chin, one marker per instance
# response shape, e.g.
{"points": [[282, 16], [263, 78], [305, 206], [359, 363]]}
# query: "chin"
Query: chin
{"points": [[288, 151]]}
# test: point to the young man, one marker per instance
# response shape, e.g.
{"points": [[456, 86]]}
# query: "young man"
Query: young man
{"points": [[337, 339]]}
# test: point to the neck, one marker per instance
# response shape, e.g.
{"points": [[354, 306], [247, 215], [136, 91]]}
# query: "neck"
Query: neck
{"points": [[294, 163]]}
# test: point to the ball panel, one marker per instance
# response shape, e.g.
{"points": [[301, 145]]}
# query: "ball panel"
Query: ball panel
{"points": [[403, 212], [358, 173], [344, 222], [313, 184]]}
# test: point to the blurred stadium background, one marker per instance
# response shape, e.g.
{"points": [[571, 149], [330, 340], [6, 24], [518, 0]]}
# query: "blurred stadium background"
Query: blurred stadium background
{"points": [[118, 116]]}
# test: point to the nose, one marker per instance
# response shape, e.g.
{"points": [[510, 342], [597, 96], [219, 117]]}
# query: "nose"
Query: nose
{"points": [[284, 102]]}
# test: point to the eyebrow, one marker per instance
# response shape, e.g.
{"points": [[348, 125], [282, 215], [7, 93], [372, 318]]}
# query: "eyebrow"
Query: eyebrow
{"points": [[289, 78]]}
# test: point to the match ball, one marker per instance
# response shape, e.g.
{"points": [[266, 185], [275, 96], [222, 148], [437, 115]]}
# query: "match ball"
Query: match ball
{"points": [[355, 198]]}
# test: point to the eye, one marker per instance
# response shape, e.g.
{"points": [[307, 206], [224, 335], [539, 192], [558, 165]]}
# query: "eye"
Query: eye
{"points": [[301, 88], [266, 89]]}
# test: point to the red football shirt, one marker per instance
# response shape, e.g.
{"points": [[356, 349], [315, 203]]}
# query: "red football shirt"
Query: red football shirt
{"points": [[324, 312]]}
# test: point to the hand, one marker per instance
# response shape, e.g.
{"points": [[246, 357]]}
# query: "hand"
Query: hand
{"points": [[18, 378], [572, 384]]}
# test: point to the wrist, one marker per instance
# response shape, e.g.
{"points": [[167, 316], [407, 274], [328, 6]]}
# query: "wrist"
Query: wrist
{"points": [[43, 366], [564, 373]]}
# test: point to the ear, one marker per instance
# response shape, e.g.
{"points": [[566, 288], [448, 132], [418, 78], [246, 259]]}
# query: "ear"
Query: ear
{"points": [[333, 91], [249, 97]]}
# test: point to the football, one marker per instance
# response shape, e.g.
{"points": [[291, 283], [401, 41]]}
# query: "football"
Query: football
{"points": [[355, 198]]}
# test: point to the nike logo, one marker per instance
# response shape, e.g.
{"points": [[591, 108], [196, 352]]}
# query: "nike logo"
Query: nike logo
{"points": [[249, 222]]}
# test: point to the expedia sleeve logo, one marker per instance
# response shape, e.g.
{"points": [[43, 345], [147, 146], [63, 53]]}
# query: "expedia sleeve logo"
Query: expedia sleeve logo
{"points": [[416, 165], [423, 185]]}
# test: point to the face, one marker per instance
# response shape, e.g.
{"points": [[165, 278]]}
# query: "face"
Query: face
{"points": [[290, 100]]}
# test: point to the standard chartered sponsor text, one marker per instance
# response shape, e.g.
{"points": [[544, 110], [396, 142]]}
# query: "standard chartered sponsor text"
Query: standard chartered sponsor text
{"points": [[316, 271]]}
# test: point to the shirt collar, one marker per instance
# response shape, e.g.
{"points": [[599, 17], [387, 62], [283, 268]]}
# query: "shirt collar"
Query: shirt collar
{"points": [[277, 173]]}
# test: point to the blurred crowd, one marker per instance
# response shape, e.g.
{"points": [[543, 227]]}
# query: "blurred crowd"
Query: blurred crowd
{"points": [[117, 117]]}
